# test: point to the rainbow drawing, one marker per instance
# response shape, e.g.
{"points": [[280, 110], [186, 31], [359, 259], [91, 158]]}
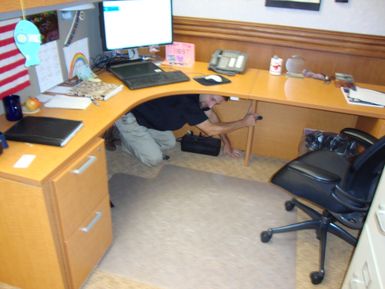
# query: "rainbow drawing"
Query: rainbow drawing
{"points": [[79, 59]]}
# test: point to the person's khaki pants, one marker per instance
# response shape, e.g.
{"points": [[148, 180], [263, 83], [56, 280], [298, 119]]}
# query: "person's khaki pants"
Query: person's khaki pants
{"points": [[146, 144]]}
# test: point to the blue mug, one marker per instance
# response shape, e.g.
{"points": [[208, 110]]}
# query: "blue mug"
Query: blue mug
{"points": [[3, 141], [12, 107]]}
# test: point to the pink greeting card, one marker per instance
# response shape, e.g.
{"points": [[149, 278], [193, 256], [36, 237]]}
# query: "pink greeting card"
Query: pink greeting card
{"points": [[180, 53]]}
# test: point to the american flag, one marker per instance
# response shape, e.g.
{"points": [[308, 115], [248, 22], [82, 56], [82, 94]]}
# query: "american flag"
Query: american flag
{"points": [[13, 74]]}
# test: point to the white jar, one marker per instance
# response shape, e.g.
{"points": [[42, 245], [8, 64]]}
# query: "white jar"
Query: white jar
{"points": [[275, 65]]}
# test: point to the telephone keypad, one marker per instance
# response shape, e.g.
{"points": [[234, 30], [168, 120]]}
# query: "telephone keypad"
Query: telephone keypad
{"points": [[239, 61], [228, 61]]}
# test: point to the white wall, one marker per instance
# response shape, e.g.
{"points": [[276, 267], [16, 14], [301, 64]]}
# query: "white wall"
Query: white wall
{"points": [[356, 16]]}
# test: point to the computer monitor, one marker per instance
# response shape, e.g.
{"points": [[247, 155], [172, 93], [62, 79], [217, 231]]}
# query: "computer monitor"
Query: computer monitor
{"points": [[129, 24]]}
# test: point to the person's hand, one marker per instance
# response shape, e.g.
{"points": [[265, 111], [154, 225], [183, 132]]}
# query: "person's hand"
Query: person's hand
{"points": [[250, 119], [229, 151]]}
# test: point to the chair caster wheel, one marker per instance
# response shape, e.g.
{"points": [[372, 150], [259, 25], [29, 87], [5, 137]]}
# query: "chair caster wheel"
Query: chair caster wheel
{"points": [[317, 277], [289, 205], [266, 236]]}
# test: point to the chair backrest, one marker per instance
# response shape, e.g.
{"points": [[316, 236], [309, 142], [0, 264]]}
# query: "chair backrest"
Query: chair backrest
{"points": [[362, 178]]}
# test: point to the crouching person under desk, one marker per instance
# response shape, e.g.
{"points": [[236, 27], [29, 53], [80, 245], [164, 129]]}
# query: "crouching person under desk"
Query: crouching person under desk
{"points": [[147, 130]]}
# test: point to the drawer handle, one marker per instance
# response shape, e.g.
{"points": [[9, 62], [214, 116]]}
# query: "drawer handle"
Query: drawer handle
{"points": [[356, 283], [85, 166], [89, 227], [381, 217]]}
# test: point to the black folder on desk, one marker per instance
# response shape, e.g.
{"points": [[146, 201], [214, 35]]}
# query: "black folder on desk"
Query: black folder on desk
{"points": [[44, 130]]}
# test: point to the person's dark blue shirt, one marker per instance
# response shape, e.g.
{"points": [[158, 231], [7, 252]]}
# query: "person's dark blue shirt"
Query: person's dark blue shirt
{"points": [[170, 113]]}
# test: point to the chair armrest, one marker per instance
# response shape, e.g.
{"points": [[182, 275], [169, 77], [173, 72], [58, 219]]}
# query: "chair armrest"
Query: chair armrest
{"points": [[360, 136], [339, 192], [350, 197], [315, 173]]}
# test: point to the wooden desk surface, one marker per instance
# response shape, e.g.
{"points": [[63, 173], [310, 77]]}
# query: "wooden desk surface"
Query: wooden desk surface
{"points": [[310, 93], [254, 84]]}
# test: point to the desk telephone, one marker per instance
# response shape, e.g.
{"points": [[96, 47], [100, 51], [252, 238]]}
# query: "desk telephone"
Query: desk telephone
{"points": [[228, 62]]}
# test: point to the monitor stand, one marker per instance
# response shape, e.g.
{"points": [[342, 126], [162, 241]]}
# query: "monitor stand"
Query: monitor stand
{"points": [[153, 54], [124, 56], [133, 54]]}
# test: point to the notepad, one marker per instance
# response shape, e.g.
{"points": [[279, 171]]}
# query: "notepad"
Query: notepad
{"points": [[44, 130], [69, 102]]}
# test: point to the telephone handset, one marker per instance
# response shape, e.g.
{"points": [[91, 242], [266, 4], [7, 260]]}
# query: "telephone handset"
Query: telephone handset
{"points": [[228, 62]]}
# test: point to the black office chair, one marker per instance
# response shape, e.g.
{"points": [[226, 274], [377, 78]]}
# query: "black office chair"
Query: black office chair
{"points": [[343, 188]]}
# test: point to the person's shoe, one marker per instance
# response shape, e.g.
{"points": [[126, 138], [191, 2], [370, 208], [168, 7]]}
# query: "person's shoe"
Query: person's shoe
{"points": [[110, 146], [166, 157], [111, 138]]}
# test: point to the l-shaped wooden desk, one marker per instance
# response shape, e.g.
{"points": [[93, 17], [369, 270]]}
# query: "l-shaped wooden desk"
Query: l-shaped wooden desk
{"points": [[54, 214]]}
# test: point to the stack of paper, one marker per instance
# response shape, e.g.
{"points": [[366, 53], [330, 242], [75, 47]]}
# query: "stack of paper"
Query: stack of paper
{"points": [[368, 95], [363, 96]]}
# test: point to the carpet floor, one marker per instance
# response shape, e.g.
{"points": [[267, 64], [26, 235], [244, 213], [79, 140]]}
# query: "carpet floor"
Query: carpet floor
{"points": [[188, 229]]}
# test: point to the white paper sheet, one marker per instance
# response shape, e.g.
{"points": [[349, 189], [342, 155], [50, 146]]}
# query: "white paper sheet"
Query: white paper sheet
{"points": [[43, 98], [368, 95], [356, 101], [60, 89], [68, 102], [76, 54], [49, 71]]}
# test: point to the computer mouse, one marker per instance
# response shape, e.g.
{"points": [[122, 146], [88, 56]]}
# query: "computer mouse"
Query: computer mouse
{"points": [[214, 77]]}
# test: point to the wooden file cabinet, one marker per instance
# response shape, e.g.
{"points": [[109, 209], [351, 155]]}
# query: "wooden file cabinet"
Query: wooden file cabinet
{"points": [[366, 270], [81, 193], [53, 234]]}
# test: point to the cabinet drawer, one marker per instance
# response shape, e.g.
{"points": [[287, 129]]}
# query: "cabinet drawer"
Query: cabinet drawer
{"points": [[80, 187], [375, 225], [377, 236], [89, 242], [364, 271]]}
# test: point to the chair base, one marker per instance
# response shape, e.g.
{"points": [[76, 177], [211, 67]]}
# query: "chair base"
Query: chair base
{"points": [[321, 223]]}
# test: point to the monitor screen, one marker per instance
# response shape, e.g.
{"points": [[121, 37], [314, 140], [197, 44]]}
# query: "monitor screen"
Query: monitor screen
{"points": [[135, 23]]}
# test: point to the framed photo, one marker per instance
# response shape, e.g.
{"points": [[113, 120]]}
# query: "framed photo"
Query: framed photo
{"points": [[295, 4]]}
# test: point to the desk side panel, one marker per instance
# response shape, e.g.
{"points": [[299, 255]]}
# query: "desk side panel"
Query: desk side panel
{"points": [[28, 254], [373, 126], [280, 133]]}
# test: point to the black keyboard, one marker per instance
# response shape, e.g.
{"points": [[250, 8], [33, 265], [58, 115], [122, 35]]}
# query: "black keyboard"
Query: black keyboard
{"points": [[156, 79]]}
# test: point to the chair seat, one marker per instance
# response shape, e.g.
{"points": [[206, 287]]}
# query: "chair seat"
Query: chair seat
{"points": [[311, 177]]}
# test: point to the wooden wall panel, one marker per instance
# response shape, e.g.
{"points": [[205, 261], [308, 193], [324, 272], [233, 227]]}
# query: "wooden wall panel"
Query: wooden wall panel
{"points": [[323, 51]]}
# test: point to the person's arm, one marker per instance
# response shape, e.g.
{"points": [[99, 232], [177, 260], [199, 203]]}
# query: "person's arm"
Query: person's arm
{"points": [[219, 128], [227, 148]]}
